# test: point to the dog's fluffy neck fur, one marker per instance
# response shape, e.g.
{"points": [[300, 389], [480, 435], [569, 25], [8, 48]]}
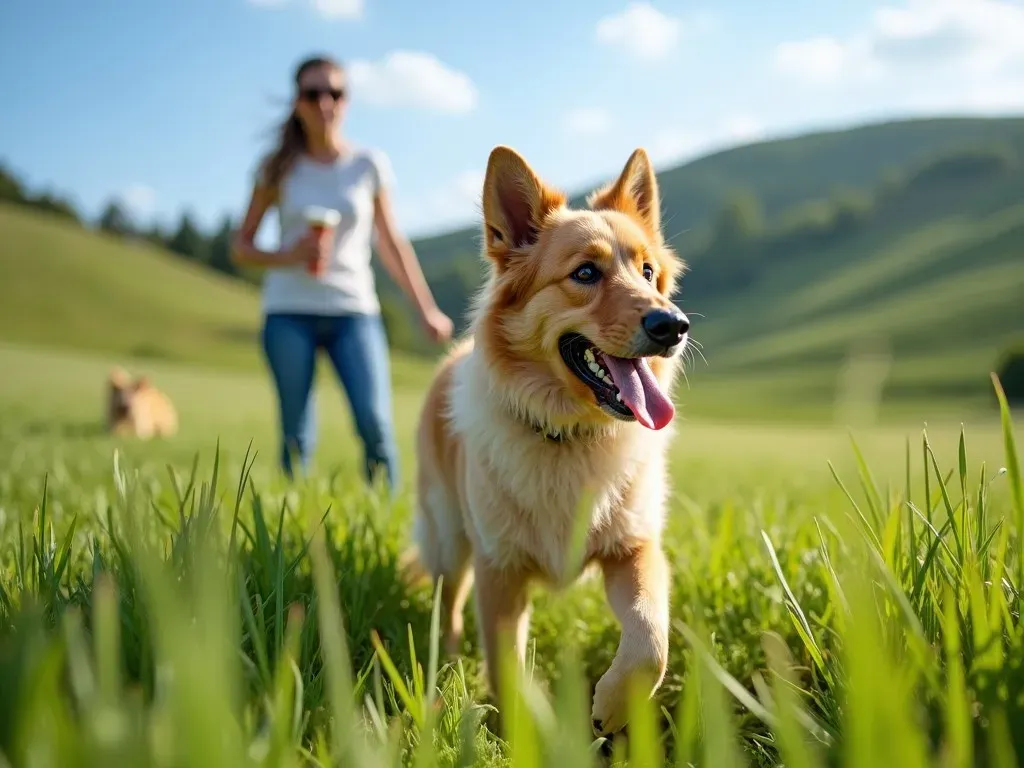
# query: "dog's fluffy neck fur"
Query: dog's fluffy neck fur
{"points": [[540, 403], [517, 405]]}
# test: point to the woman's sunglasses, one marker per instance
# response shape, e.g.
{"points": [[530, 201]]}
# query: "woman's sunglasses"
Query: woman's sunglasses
{"points": [[314, 94]]}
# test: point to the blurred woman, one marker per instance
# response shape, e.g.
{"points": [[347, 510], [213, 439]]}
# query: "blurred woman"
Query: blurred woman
{"points": [[319, 291]]}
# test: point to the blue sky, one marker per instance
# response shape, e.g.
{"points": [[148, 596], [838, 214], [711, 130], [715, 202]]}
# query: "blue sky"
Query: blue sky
{"points": [[168, 103]]}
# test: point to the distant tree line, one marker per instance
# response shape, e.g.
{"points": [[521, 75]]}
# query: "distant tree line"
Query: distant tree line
{"points": [[12, 190], [186, 240]]}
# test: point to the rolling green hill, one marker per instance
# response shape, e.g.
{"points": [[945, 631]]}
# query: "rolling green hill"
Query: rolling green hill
{"points": [[63, 286], [932, 275]]}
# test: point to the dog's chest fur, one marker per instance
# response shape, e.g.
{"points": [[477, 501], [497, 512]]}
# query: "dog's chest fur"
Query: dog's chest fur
{"points": [[523, 492]]}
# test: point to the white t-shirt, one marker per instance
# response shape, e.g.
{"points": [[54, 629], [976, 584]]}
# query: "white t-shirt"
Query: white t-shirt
{"points": [[347, 185]]}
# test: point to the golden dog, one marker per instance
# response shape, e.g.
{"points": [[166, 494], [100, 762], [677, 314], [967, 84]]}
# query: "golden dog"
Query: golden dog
{"points": [[558, 404], [136, 408]]}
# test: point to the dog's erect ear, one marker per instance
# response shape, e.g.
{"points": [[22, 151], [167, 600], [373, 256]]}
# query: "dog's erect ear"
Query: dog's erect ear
{"points": [[634, 193], [141, 382], [515, 203], [118, 378]]}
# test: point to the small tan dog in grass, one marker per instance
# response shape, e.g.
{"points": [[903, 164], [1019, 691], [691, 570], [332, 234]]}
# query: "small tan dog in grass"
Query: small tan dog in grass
{"points": [[560, 397], [136, 408]]}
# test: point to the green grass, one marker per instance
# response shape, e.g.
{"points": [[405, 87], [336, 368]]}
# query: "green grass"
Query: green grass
{"points": [[176, 603]]}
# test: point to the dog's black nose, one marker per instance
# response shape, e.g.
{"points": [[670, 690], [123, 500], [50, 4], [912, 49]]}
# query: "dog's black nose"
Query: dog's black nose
{"points": [[666, 326]]}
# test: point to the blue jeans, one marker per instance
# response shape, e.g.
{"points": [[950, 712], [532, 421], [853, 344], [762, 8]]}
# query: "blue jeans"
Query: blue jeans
{"points": [[357, 348]]}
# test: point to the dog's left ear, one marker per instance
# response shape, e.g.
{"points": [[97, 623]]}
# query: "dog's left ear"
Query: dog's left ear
{"points": [[141, 382], [634, 193], [516, 202]]}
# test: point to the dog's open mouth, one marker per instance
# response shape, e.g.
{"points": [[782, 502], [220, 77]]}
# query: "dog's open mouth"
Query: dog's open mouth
{"points": [[624, 387]]}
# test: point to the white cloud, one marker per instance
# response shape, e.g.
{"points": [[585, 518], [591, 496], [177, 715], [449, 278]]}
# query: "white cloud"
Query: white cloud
{"points": [[742, 128], [641, 30], [338, 9], [453, 204], [465, 190], [956, 53], [587, 121], [673, 145], [822, 59], [329, 9], [412, 79], [140, 200], [997, 97]]}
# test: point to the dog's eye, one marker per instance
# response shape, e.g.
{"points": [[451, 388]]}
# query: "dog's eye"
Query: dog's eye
{"points": [[586, 273], [648, 272]]}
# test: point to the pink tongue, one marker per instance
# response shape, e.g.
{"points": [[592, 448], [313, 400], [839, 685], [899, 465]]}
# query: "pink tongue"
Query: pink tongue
{"points": [[640, 391]]}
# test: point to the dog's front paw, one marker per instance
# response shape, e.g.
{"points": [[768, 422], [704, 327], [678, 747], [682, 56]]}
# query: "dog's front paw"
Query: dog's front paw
{"points": [[610, 710]]}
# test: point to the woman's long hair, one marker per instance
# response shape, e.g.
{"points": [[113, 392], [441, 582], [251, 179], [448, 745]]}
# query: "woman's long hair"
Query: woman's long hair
{"points": [[291, 141]]}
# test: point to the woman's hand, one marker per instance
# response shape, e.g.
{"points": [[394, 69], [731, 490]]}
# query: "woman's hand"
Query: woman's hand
{"points": [[437, 325], [308, 250]]}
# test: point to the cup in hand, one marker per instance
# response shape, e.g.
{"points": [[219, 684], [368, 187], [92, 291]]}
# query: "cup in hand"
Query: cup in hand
{"points": [[322, 222]]}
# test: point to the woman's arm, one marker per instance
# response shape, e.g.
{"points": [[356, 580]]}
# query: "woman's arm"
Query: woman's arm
{"points": [[400, 261], [244, 252]]}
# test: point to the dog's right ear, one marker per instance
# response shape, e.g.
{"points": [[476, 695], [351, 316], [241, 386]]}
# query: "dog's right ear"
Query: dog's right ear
{"points": [[515, 203], [118, 378]]}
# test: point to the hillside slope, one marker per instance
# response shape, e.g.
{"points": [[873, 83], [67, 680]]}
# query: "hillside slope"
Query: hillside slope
{"points": [[940, 302], [928, 270], [67, 287], [63, 285]]}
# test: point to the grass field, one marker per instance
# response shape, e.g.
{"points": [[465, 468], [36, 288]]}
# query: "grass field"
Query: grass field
{"points": [[149, 616]]}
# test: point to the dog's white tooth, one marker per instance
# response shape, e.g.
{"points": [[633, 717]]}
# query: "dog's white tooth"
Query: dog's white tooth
{"points": [[601, 372], [588, 355], [618, 396], [595, 367]]}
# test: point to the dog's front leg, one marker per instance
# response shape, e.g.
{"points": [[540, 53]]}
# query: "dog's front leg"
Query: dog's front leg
{"points": [[637, 587], [503, 613]]}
